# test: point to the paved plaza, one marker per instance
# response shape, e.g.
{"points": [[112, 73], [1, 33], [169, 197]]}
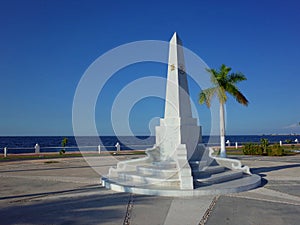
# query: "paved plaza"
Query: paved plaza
{"points": [[67, 191]]}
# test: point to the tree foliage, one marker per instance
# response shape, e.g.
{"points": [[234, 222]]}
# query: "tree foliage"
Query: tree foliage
{"points": [[223, 82]]}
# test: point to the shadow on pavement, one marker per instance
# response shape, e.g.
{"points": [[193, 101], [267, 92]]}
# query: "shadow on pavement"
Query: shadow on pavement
{"points": [[259, 170], [54, 168], [37, 195], [109, 208]]}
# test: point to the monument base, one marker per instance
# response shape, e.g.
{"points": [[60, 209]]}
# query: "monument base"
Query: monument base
{"points": [[209, 176]]}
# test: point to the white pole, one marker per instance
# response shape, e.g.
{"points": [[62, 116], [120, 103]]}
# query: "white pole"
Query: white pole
{"points": [[236, 145], [222, 132], [118, 147], [5, 152], [228, 142], [280, 143], [99, 149], [37, 148]]}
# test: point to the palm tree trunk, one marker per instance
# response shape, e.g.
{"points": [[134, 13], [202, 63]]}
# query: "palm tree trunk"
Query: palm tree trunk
{"points": [[222, 131]]}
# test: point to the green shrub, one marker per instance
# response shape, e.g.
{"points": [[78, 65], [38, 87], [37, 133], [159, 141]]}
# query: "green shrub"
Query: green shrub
{"points": [[64, 142], [246, 148], [252, 149], [264, 143], [275, 150], [255, 149], [288, 141], [62, 151]]}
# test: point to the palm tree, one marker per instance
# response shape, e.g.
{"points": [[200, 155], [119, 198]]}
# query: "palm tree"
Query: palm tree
{"points": [[223, 83]]}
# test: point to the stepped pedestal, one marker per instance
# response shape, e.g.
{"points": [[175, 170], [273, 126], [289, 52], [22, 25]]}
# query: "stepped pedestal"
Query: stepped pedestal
{"points": [[163, 177], [178, 165]]}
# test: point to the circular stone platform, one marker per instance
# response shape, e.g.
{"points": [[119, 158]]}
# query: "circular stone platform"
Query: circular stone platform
{"points": [[247, 182]]}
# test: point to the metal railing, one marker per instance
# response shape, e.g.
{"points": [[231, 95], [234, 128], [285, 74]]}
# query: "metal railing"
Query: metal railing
{"points": [[46, 149], [117, 147]]}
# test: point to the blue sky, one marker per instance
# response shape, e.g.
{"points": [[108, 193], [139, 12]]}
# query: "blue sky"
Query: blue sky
{"points": [[46, 46]]}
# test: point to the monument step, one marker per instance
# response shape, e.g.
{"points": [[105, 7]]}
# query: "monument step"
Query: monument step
{"points": [[134, 177], [152, 170], [136, 183], [220, 177], [210, 169], [165, 164]]}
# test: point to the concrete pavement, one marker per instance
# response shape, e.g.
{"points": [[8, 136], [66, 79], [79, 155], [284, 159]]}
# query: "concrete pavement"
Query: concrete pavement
{"points": [[67, 191]]}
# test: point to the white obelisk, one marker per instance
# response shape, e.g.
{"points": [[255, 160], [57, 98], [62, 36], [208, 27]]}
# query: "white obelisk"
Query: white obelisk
{"points": [[178, 127], [172, 166]]}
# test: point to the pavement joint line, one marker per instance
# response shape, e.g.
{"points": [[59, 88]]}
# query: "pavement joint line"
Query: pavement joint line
{"points": [[209, 210], [128, 210]]}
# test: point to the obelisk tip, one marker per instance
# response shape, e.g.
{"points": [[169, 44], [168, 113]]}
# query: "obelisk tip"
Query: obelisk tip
{"points": [[176, 39]]}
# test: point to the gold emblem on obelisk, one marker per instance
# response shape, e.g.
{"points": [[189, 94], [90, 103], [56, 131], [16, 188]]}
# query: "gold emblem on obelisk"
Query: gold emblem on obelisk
{"points": [[172, 67]]}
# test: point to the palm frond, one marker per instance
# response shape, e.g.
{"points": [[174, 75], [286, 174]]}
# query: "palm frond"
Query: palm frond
{"points": [[213, 76], [223, 82], [206, 96], [236, 77], [235, 92], [224, 70]]}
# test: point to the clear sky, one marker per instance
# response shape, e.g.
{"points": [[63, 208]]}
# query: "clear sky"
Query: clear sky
{"points": [[47, 45]]}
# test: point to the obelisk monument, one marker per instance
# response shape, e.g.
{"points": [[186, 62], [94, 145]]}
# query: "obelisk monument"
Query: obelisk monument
{"points": [[175, 165], [178, 126]]}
